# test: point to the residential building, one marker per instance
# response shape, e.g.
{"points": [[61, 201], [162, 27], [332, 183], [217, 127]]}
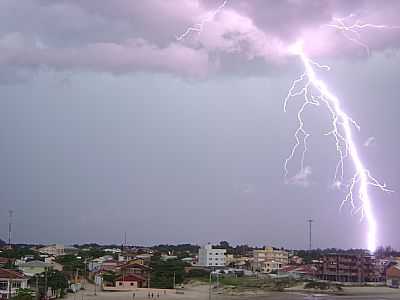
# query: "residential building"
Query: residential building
{"points": [[55, 250], [348, 268], [109, 265], [209, 257], [269, 259], [135, 269], [34, 267], [10, 282], [270, 266], [393, 276]]}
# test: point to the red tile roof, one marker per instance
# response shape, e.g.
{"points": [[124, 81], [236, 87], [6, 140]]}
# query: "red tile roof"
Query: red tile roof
{"points": [[11, 274]]}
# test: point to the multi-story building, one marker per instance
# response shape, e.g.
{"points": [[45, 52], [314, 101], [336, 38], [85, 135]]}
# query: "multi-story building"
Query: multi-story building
{"points": [[269, 259], [209, 257], [348, 268], [55, 250]]}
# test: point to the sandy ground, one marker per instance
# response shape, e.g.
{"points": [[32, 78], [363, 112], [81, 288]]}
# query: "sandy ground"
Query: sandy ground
{"points": [[201, 292]]}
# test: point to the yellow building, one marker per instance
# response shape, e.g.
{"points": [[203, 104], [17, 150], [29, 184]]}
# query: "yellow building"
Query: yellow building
{"points": [[269, 259]]}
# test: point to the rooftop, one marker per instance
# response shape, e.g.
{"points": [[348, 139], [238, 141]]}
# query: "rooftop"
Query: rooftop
{"points": [[11, 274]]}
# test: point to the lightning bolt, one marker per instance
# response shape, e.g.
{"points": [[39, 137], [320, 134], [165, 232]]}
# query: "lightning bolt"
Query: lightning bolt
{"points": [[316, 92], [199, 26], [352, 31]]}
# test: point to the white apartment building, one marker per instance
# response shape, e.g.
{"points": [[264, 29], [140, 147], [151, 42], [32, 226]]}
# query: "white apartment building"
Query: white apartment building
{"points": [[209, 257]]}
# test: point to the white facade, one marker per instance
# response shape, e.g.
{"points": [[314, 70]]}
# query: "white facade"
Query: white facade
{"points": [[10, 284], [209, 257]]}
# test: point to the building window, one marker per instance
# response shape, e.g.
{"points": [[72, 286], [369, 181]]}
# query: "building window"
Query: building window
{"points": [[131, 283], [3, 285], [120, 283]]}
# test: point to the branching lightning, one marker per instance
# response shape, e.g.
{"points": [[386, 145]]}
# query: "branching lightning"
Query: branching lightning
{"points": [[199, 26], [352, 31], [315, 92]]}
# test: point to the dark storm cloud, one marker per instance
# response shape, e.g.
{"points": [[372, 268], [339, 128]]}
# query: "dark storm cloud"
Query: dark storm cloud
{"points": [[86, 156], [123, 36]]}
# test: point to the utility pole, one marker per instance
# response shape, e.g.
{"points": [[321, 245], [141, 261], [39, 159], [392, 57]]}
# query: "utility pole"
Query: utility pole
{"points": [[10, 215], [310, 221], [45, 282], [209, 291], [174, 281]]}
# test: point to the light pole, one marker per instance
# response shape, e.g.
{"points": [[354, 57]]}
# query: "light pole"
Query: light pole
{"points": [[310, 221], [209, 292]]}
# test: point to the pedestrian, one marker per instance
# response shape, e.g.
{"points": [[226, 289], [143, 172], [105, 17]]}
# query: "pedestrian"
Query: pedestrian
{"points": [[133, 296], [152, 295], [148, 295], [158, 295]]}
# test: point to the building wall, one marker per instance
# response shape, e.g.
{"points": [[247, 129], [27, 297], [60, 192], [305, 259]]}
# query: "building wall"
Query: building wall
{"points": [[276, 257], [348, 268], [56, 250], [126, 285], [15, 285], [209, 257]]}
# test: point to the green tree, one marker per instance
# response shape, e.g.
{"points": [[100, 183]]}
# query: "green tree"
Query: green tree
{"points": [[24, 294], [162, 275]]}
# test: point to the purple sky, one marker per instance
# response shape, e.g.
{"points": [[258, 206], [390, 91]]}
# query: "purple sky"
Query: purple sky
{"points": [[110, 124]]}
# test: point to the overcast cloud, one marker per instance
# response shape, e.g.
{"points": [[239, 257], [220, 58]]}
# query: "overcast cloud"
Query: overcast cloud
{"points": [[110, 124]]}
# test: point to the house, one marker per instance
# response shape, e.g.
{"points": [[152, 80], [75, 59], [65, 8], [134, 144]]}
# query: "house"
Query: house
{"points": [[209, 257], [55, 250], [10, 282], [109, 265], [269, 259], [130, 276], [270, 266], [393, 276], [34, 267], [135, 269]]}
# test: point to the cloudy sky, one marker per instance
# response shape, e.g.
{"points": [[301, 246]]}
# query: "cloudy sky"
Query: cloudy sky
{"points": [[109, 122]]}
